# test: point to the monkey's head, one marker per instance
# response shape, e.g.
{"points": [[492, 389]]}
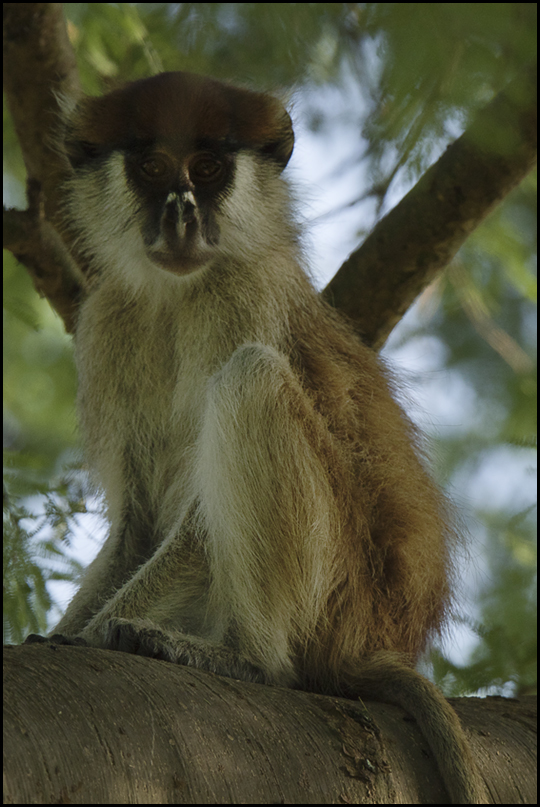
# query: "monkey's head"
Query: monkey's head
{"points": [[175, 171]]}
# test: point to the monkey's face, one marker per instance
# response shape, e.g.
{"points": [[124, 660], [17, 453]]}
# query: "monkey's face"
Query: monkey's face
{"points": [[173, 170]]}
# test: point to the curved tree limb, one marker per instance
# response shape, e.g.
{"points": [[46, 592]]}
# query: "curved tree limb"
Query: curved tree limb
{"points": [[420, 236], [40, 65]]}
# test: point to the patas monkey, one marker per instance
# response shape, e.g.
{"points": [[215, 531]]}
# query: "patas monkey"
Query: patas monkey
{"points": [[271, 519]]}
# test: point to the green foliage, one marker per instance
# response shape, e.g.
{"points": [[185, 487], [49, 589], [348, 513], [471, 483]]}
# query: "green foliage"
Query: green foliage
{"points": [[507, 652], [35, 543]]}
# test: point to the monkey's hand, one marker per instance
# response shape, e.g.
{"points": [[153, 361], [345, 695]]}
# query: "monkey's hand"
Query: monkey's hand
{"points": [[56, 638], [142, 637]]}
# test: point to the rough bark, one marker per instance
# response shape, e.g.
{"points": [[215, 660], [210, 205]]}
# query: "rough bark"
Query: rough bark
{"points": [[93, 726]]}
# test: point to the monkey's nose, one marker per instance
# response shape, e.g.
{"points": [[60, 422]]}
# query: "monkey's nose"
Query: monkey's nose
{"points": [[188, 212], [178, 212]]}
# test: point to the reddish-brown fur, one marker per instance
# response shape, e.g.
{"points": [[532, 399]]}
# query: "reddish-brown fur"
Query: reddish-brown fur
{"points": [[389, 582]]}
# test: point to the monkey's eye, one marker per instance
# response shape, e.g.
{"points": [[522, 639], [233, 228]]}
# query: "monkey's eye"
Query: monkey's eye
{"points": [[205, 168], [155, 167]]}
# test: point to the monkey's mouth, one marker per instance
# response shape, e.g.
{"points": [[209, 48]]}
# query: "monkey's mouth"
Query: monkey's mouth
{"points": [[179, 249], [179, 258], [179, 261]]}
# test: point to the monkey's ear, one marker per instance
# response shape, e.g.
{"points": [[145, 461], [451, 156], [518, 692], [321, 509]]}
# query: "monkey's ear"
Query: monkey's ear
{"points": [[281, 146], [77, 131], [78, 151], [263, 123]]}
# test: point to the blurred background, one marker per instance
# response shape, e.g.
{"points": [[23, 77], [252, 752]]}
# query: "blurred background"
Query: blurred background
{"points": [[376, 91]]}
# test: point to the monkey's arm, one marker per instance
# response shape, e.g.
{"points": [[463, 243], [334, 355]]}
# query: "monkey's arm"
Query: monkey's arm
{"points": [[114, 564]]}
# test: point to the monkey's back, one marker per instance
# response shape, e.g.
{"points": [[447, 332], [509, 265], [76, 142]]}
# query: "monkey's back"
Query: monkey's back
{"points": [[393, 566]]}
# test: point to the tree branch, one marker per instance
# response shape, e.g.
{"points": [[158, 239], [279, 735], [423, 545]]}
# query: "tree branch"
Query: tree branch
{"points": [[36, 244], [420, 236], [39, 66]]}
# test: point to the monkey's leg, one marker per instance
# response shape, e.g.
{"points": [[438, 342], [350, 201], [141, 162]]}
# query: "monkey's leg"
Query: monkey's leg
{"points": [[107, 572], [268, 507]]}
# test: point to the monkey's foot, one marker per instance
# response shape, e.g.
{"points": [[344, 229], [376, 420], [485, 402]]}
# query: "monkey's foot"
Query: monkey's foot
{"points": [[139, 637], [143, 638]]}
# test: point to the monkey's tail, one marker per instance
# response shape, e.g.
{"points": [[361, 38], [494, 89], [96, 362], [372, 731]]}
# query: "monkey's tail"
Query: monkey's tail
{"points": [[386, 677]]}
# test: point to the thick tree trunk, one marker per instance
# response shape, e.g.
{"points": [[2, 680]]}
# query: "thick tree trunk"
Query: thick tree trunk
{"points": [[93, 726]]}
